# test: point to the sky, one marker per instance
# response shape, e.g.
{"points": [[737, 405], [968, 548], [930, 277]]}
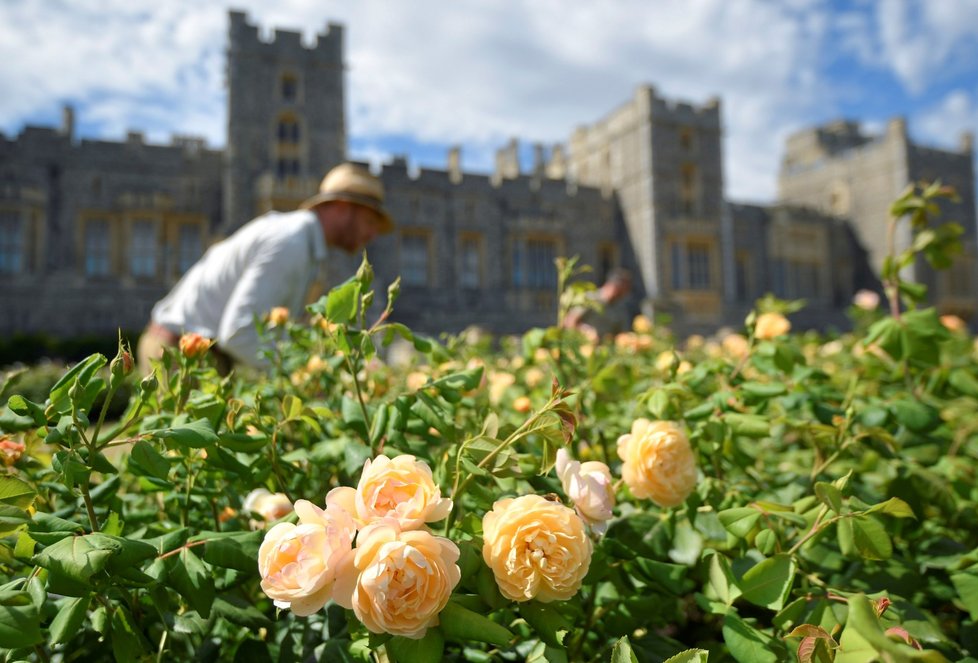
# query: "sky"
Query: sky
{"points": [[423, 76]]}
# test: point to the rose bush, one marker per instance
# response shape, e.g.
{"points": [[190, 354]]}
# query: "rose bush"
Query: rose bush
{"points": [[792, 497]]}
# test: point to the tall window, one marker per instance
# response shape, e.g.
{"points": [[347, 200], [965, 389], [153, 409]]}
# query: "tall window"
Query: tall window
{"points": [[471, 262], [690, 266], [541, 273], [288, 130], [188, 248], [290, 87], [698, 256], [11, 243], [687, 188], [742, 276], [607, 261], [97, 248], [414, 259], [142, 249]]}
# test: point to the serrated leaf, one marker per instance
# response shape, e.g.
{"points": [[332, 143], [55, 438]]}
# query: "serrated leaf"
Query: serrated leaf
{"points": [[69, 619], [547, 622], [622, 651], [149, 460], [829, 495], [893, 507], [768, 583], [690, 656], [16, 493], [19, 622], [749, 645], [196, 434], [740, 520], [189, 576], [428, 649]]}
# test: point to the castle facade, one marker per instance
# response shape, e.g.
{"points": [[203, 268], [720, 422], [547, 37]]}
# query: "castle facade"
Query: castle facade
{"points": [[93, 233]]}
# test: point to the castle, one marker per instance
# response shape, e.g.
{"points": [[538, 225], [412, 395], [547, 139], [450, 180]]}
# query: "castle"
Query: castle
{"points": [[92, 233]]}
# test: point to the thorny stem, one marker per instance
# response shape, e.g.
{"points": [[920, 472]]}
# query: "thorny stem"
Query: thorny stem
{"points": [[101, 416], [89, 506]]}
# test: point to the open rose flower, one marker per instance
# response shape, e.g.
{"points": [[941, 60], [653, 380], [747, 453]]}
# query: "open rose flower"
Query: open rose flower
{"points": [[867, 300], [397, 582], [270, 506], [953, 323], [401, 488], [589, 486], [658, 462], [10, 451], [771, 325], [298, 563], [537, 549]]}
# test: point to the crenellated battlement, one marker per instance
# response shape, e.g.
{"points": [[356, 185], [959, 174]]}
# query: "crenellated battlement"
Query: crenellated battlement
{"points": [[245, 37]]}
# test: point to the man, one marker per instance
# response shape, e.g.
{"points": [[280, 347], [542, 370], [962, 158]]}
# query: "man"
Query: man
{"points": [[271, 261]]}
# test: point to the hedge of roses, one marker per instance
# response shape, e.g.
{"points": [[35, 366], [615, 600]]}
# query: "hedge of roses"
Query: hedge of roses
{"points": [[766, 496]]}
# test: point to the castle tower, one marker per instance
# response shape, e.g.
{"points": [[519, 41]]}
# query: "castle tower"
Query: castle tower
{"points": [[286, 118], [663, 162]]}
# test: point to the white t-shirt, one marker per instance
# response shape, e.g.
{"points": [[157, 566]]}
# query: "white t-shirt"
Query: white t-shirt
{"points": [[270, 261]]}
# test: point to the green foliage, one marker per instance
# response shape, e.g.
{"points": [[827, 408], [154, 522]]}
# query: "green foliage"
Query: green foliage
{"points": [[835, 516]]}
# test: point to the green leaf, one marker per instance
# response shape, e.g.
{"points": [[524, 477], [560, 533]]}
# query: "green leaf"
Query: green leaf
{"points": [[547, 622], [768, 583], [428, 649], [69, 619], [966, 585], [25, 408], [197, 434], [238, 550], [915, 415], [690, 656], [865, 536], [19, 621], [748, 645], [462, 625], [148, 461], [291, 407], [128, 644], [829, 495], [192, 580], [341, 302], [748, 425], [622, 652], [16, 493], [722, 580], [740, 520], [238, 612], [964, 382], [894, 507], [864, 638], [77, 558], [763, 390], [82, 372]]}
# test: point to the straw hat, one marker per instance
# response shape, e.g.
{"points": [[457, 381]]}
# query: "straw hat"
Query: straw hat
{"points": [[354, 184]]}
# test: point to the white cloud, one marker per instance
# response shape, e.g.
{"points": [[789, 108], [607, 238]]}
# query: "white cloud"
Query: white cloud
{"points": [[943, 123], [470, 72]]}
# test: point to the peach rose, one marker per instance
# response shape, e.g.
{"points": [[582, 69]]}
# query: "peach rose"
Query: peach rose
{"points": [[416, 380], [589, 486], [499, 382], [953, 323], [401, 488], [771, 325], [533, 377], [397, 582], [270, 506], [537, 549], [736, 346], [641, 324], [867, 300], [298, 563], [522, 404], [278, 316], [194, 345], [658, 462]]}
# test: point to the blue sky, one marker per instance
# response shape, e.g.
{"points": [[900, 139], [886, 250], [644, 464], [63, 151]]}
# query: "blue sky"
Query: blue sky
{"points": [[425, 75]]}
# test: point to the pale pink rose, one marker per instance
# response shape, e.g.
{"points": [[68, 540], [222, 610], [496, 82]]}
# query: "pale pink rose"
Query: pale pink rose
{"points": [[589, 486], [771, 325], [398, 582], [735, 345], [658, 462], [401, 488], [537, 549], [270, 506], [867, 300], [298, 563]]}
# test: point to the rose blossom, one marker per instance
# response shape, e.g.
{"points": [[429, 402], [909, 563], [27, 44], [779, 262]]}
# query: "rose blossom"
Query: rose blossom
{"points": [[270, 506], [589, 486], [298, 563], [537, 549], [194, 345], [401, 488], [658, 462], [397, 582], [278, 316], [771, 325], [953, 323], [735, 345], [867, 300], [11, 451]]}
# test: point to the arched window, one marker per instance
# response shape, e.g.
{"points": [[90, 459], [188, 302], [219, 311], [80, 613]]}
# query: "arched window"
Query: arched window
{"points": [[289, 87]]}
